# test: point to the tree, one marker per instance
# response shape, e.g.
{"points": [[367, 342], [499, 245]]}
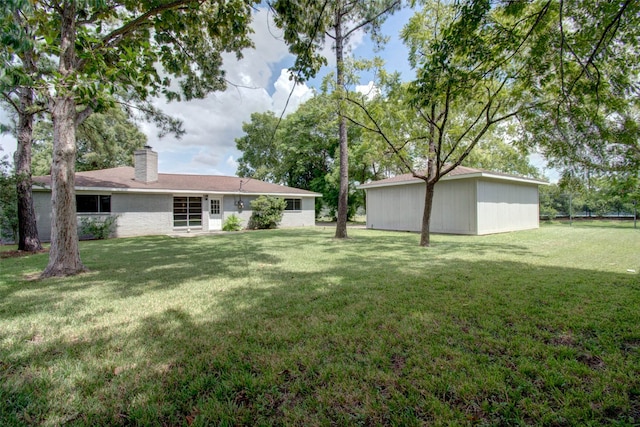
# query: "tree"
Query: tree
{"points": [[494, 152], [304, 150], [469, 59], [19, 62], [105, 48], [588, 73], [104, 140], [8, 201], [307, 26], [261, 157]]}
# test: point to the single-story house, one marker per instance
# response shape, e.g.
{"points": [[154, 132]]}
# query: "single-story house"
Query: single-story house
{"points": [[146, 202], [465, 201]]}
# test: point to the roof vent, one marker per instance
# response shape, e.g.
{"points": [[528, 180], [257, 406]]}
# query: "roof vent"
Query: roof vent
{"points": [[146, 165]]}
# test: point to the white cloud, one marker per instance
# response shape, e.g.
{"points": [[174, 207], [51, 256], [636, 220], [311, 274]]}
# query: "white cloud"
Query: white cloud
{"points": [[285, 90], [7, 141], [369, 90], [231, 162], [212, 124]]}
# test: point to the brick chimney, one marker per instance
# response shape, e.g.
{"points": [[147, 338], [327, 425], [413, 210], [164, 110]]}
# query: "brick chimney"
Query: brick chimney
{"points": [[146, 165]]}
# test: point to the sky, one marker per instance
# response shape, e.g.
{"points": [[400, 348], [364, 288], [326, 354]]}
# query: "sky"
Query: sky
{"points": [[258, 83]]}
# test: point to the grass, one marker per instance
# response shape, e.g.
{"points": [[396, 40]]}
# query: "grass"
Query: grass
{"points": [[291, 327]]}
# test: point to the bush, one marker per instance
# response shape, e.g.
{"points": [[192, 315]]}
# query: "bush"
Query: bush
{"points": [[267, 212], [8, 202], [97, 228], [232, 223]]}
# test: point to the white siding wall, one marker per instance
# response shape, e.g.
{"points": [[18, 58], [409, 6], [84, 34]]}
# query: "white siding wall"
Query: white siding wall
{"points": [[142, 214], [454, 207], [398, 207], [401, 207], [504, 206]]}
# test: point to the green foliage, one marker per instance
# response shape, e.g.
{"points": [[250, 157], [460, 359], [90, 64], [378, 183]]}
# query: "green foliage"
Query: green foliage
{"points": [[232, 223], [584, 68], [108, 51], [8, 201], [591, 193], [494, 153], [303, 152], [307, 26], [98, 228], [104, 140], [266, 212]]}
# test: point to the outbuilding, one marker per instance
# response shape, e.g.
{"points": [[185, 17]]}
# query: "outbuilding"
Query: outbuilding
{"points": [[146, 202], [466, 201]]}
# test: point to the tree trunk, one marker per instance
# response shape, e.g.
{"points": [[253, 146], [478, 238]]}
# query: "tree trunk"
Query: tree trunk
{"points": [[425, 236], [343, 195], [64, 255], [28, 239]]}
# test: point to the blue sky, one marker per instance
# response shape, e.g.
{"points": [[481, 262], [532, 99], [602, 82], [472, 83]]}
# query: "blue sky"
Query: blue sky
{"points": [[259, 83], [212, 124]]}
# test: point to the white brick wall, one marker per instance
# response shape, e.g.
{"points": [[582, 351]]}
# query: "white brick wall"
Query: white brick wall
{"points": [[152, 214], [142, 214]]}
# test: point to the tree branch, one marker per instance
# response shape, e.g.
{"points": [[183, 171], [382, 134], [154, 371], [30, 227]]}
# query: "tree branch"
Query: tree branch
{"points": [[613, 24], [11, 102], [378, 130], [372, 19], [81, 116]]}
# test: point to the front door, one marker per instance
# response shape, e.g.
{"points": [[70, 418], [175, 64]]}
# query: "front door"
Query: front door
{"points": [[215, 215]]}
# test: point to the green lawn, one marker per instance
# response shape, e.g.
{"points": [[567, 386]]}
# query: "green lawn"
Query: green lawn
{"points": [[290, 327]]}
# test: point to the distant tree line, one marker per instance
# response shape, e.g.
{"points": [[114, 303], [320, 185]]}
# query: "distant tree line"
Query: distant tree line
{"points": [[591, 194]]}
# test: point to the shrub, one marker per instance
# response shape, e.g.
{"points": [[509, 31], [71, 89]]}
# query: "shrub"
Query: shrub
{"points": [[8, 202], [267, 212], [232, 223], [97, 228]]}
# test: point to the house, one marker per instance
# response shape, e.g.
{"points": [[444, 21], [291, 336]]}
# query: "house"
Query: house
{"points": [[465, 201], [147, 202]]}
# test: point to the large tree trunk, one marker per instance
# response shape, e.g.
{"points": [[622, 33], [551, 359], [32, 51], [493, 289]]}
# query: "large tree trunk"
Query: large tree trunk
{"points": [[28, 239], [64, 255], [425, 235], [343, 195]]}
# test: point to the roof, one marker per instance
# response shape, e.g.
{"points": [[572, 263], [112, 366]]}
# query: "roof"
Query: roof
{"points": [[460, 172], [122, 180]]}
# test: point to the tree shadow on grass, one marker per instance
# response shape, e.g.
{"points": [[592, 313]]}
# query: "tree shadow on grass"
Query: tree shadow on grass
{"points": [[133, 267], [358, 341]]}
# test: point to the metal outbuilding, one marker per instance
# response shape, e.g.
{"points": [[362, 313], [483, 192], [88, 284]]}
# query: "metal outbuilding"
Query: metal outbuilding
{"points": [[466, 201]]}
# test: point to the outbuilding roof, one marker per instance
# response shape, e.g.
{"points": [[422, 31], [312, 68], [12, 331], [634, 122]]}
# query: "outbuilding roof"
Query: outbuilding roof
{"points": [[460, 172], [122, 179]]}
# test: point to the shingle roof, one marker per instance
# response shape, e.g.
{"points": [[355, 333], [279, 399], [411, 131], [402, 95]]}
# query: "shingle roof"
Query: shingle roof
{"points": [[459, 172], [122, 179]]}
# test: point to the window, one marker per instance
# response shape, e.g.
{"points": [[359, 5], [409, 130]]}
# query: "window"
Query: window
{"points": [[293, 204], [215, 207], [187, 211], [93, 203]]}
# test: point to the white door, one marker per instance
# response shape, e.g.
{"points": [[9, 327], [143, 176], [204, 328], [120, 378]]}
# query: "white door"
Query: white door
{"points": [[215, 215]]}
